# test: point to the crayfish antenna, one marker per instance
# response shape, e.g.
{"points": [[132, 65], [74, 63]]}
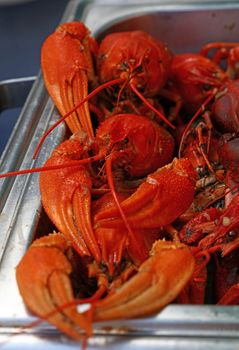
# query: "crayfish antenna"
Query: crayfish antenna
{"points": [[196, 114], [72, 164], [217, 46], [157, 112], [139, 249], [54, 314], [87, 98]]}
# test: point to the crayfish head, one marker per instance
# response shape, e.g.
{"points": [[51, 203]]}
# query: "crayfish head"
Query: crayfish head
{"points": [[135, 143], [194, 76], [229, 154], [137, 57], [225, 109]]}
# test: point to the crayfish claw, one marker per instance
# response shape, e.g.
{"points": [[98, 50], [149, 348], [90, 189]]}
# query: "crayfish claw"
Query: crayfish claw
{"points": [[66, 194], [69, 86], [46, 288], [157, 283]]}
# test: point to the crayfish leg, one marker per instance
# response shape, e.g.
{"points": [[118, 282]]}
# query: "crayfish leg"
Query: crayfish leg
{"points": [[231, 297], [45, 287], [157, 283]]}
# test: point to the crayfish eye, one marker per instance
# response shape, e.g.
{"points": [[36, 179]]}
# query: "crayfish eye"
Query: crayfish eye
{"points": [[124, 66], [232, 234], [139, 69], [124, 142], [103, 57], [206, 87], [202, 171], [103, 266], [220, 204]]}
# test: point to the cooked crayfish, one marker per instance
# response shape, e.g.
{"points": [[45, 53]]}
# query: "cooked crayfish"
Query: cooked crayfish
{"points": [[139, 60], [135, 227], [193, 78]]}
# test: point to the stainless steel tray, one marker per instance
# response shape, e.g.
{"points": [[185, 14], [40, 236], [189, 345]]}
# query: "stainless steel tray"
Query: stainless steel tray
{"points": [[185, 25]]}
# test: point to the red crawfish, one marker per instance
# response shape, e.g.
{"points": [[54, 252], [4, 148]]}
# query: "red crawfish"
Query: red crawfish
{"points": [[140, 61], [194, 77]]}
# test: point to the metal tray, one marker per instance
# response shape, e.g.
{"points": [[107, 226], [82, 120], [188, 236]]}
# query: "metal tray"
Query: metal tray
{"points": [[185, 25]]}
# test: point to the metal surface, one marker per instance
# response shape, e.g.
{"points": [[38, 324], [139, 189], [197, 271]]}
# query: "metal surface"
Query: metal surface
{"points": [[13, 92], [185, 26]]}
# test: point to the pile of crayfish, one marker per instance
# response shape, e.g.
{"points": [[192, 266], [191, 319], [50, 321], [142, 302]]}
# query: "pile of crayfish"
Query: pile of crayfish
{"points": [[143, 195]]}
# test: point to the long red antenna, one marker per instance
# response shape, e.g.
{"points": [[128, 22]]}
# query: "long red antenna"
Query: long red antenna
{"points": [[74, 163], [217, 45], [87, 98], [88, 300], [157, 112], [200, 110], [108, 167]]}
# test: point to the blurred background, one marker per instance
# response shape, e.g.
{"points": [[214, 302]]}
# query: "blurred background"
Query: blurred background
{"points": [[23, 27], [24, 24]]}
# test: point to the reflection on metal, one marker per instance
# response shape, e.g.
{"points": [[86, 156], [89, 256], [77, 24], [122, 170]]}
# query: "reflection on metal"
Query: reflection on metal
{"points": [[14, 92]]}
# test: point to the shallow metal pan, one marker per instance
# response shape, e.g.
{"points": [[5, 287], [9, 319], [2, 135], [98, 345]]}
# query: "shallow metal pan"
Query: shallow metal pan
{"points": [[185, 26]]}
